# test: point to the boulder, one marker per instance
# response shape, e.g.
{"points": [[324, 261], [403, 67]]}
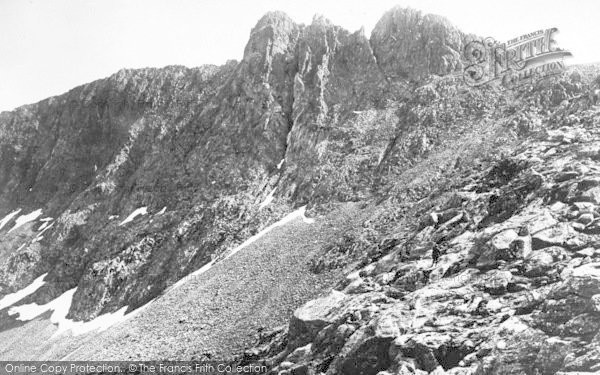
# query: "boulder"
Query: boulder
{"points": [[497, 248], [588, 183], [313, 316], [569, 300], [495, 281], [538, 264], [511, 350], [422, 347], [503, 240], [557, 235], [542, 261], [448, 263], [552, 354], [368, 351], [585, 218], [592, 195]]}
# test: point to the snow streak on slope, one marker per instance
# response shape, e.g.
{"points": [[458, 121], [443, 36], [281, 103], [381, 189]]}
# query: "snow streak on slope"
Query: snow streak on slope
{"points": [[11, 299], [134, 214], [45, 225], [45, 229], [268, 200], [8, 218], [296, 214], [24, 219], [61, 305]]}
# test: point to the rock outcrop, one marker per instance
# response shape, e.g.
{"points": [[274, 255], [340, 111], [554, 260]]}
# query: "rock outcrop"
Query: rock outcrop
{"points": [[410, 44], [500, 274]]}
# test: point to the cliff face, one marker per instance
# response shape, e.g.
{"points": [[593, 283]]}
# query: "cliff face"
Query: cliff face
{"points": [[204, 143]]}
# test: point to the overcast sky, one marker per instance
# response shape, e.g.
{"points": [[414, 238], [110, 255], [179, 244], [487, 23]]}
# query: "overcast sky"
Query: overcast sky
{"points": [[50, 46]]}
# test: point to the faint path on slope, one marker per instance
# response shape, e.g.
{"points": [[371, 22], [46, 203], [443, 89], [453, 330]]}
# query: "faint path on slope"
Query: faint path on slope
{"points": [[220, 311]]}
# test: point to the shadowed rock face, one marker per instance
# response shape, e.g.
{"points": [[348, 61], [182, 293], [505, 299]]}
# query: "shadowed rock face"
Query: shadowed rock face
{"points": [[80, 159], [55, 149]]}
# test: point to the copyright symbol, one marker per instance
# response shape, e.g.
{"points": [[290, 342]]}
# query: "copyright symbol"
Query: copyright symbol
{"points": [[132, 367]]}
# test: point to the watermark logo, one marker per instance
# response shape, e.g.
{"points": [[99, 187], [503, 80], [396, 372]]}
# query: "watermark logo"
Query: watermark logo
{"points": [[519, 61]]}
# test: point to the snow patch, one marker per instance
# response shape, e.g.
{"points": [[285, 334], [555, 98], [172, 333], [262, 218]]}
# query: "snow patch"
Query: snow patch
{"points": [[45, 229], [296, 214], [300, 213], [164, 209], [24, 219], [11, 299], [308, 220], [60, 307], [268, 200], [134, 214], [280, 164], [8, 218], [45, 225]]}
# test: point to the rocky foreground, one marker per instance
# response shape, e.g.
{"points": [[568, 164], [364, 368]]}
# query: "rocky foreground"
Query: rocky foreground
{"points": [[499, 273]]}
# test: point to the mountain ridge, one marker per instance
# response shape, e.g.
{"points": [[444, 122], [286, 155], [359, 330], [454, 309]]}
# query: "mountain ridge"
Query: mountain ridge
{"points": [[133, 98], [148, 175]]}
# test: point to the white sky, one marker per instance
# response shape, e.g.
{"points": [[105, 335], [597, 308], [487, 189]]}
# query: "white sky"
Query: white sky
{"points": [[50, 46]]}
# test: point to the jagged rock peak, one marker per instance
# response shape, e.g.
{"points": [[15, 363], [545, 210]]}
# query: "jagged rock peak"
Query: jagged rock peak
{"points": [[274, 30], [410, 44], [406, 43], [319, 19], [273, 18]]}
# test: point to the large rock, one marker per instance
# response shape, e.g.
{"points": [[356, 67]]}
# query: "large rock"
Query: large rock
{"points": [[592, 195], [542, 261], [325, 314], [309, 319], [562, 311], [514, 349], [494, 281], [552, 354], [502, 247], [558, 235]]}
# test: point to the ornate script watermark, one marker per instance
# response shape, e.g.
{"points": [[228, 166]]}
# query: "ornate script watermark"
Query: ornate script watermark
{"points": [[519, 61]]}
